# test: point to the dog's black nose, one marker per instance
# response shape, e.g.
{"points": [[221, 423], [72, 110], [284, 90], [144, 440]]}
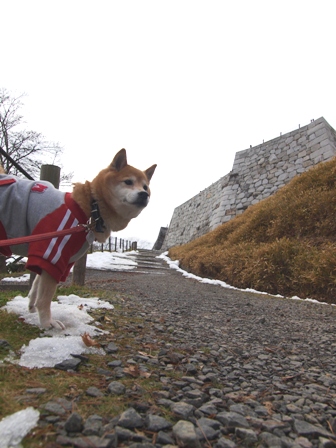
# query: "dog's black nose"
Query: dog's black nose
{"points": [[142, 199], [143, 195]]}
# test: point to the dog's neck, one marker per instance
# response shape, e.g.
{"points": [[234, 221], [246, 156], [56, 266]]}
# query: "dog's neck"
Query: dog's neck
{"points": [[83, 195], [96, 217]]}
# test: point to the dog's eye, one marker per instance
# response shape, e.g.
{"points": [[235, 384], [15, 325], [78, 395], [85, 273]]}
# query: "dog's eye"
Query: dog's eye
{"points": [[145, 187], [128, 182]]}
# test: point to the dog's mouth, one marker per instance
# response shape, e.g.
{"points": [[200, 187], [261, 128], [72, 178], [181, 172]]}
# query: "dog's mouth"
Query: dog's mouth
{"points": [[142, 199]]}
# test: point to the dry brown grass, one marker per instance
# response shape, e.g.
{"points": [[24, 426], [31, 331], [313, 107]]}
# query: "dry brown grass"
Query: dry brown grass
{"points": [[284, 245]]}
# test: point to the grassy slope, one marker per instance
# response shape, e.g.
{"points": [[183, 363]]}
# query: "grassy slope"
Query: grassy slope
{"points": [[286, 244]]}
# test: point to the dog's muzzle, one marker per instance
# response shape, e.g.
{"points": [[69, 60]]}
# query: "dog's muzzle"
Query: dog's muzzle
{"points": [[142, 199]]}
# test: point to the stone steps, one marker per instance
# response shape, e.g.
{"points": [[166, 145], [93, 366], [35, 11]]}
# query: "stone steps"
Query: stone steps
{"points": [[147, 259]]}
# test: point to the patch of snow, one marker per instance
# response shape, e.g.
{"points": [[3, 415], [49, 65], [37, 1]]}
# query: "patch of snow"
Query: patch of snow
{"points": [[23, 278], [16, 426], [111, 260], [57, 345]]}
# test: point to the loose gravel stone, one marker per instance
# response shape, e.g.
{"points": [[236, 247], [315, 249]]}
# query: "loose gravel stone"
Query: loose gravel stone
{"points": [[130, 419], [232, 420], [111, 348], [74, 423], [68, 364], [185, 434], [156, 423], [93, 426], [116, 388], [94, 392], [182, 410]]}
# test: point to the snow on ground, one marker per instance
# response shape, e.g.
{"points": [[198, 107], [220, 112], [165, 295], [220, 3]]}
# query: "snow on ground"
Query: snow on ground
{"points": [[175, 265], [54, 346], [114, 261], [111, 260], [16, 426], [22, 279]]}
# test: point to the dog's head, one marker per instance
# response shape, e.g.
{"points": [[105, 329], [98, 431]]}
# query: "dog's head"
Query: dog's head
{"points": [[124, 189]]}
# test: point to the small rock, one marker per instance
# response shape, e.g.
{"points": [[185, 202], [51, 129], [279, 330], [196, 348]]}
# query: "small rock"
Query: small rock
{"points": [[247, 435], [205, 432], [68, 364], [116, 388], [302, 442], [54, 408], [182, 410], [270, 440], [308, 430], [232, 420], [208, 422], [190, 369], [115, 363], [5, 345], [225, 443], [130, 419], [156, 423], [208, 409], [74, 423], [104, 372], [185, 434], [94, 392], [111, 348], [93, 426], [164, 438], [326, 443], [124, 434]]}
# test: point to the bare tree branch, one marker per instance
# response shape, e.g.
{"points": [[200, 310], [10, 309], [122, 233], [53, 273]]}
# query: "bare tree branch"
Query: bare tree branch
{"points": [[29, 149]]}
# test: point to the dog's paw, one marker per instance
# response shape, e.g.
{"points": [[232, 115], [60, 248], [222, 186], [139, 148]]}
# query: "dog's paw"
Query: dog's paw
{"points": [[57, 324]]}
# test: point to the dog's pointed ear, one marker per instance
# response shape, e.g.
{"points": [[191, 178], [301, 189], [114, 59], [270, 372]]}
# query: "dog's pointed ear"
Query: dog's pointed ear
{"points": [[150, 171], [119, 161]]}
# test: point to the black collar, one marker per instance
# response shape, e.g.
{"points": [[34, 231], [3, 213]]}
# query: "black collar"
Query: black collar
{"points": [[97, 219]]}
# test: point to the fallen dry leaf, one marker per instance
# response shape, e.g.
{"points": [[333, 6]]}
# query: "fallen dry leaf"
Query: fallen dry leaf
{"points": [[135, 372], [88, 341], [132, 370], [146, 354]]}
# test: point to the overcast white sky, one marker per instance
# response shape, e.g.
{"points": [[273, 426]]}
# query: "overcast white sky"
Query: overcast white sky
{"points": [[181, 83]]}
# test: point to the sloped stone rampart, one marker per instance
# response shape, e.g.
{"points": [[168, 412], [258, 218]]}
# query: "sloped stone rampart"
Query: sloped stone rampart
{"points": [[256, 174]]}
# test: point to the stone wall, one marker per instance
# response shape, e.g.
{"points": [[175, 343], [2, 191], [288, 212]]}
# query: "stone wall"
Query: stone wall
{"points": [[257, 173]]}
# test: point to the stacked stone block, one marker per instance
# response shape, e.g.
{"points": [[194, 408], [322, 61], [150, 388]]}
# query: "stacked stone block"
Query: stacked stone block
{"points": [[256, 174]]}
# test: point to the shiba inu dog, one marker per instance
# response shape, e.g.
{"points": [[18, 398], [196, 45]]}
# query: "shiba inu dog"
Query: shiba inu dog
{"points": [[115, 196]]}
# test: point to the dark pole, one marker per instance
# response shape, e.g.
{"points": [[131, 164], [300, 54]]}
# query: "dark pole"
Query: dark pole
{"points": [[17, 166]]}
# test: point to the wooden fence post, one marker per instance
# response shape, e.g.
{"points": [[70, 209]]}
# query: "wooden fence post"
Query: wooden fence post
{"points": [[78, 274], [51, 173], [3, 267]]}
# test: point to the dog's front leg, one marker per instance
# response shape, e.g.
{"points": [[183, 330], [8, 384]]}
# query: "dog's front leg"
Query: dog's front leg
{"points": [[45, 290], [33, 295]]}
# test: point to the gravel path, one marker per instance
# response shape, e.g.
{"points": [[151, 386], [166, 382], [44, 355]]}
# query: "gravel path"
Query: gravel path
{"points": [[233, 368], [255, 370]]}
